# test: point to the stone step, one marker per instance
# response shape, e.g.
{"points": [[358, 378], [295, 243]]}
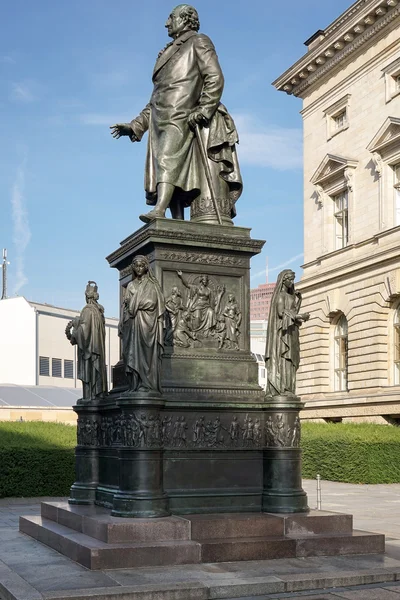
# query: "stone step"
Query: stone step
{"points": [[235, 549], [236, 525], [357, 542], [97, 522], [95, 554]]}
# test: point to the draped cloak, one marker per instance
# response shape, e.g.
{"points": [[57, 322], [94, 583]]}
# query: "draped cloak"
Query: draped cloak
{"points": [[142, 332], [89, 335], [282, 357], [187, 76]]}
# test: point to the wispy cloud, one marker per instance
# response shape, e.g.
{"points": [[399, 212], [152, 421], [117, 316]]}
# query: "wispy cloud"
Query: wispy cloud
{"points": [[279, 267], [21, 229], [275, 147], [22, 92], [7, 60]]}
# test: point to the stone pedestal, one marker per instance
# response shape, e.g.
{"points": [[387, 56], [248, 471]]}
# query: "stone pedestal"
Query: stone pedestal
{"points": [[283, 492], [205, 446]]}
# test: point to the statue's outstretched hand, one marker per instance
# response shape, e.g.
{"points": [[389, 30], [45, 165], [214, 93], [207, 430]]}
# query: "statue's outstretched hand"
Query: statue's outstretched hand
{"points": [[196, 117], [120, 129]]}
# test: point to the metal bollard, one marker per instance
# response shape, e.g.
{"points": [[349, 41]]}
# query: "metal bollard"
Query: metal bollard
{"points": [[319, 492]]}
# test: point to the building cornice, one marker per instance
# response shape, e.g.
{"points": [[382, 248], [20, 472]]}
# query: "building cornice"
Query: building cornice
{"points": [[353, 266], [355, 28]]}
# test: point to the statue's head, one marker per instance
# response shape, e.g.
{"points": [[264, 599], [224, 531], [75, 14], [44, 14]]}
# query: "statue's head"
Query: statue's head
{"points": [[204, 279], [288, 277], [231, 298], [91, 293], [183, 18], [140, 265]]}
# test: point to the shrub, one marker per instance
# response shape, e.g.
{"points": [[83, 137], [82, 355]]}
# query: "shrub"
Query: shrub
{"points": [[351, 452], [36, 459]]}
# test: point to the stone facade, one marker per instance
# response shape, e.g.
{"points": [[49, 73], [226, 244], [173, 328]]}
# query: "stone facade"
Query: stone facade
{"points": [[349, 81]]}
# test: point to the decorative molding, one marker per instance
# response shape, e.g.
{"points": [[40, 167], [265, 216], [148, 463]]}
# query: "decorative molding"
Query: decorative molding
{"points": [[217, 356], [250, 245], [377, 160], [387, 135], [332, 166], [344, 49]]}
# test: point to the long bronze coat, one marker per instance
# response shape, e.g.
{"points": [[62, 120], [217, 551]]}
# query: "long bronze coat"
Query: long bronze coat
{"points": [[187, 76]]}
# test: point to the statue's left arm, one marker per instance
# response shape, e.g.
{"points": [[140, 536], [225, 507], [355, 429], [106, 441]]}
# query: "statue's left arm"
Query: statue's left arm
{"points": [[213, 79]]}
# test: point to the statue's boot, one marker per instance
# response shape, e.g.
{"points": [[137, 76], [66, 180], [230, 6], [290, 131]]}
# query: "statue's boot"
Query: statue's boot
{"points": [[153, 214]]}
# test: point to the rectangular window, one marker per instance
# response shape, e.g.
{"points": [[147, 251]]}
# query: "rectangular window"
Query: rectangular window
{"points": [[44, 366], [341, 220], [340, 120], [68, 369], [341, 362], [56, 367]]}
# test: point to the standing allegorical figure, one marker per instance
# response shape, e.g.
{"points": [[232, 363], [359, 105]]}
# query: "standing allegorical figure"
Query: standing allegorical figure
{"points": [[188, 84], [282, 355], [141, 329], [88, 333]]}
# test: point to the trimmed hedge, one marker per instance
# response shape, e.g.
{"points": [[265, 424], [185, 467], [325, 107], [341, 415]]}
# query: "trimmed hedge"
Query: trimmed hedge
{"points": [[351, 452], [36, 459]]}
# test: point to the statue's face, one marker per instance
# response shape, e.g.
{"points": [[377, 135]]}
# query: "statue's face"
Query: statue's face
{"points": [[204, 280], [231, 297], [139, 267], [175, 24], [289, 280]]}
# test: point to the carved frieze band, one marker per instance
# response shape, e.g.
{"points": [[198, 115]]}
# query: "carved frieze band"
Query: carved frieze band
{"points": [[142, 429], [206, 258]]}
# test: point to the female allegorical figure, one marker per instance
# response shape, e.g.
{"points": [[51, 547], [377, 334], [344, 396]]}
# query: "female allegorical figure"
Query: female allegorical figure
{"points": [[201, 304], [282, 356], [141, 329], [88, 332]]}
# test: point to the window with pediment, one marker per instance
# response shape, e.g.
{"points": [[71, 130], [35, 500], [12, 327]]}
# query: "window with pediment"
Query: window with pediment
{"points": [[333, 182], [385, 151]]}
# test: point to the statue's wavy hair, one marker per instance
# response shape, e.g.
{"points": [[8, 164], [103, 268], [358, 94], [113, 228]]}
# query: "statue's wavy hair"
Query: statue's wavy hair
{"points": [[190, 14]]}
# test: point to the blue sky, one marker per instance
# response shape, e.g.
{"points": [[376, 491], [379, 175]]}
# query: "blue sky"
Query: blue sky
{"points": [[69, 192]]}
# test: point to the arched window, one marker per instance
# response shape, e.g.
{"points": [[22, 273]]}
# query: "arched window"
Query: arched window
{"points": [[396, 345], [341, 355]]}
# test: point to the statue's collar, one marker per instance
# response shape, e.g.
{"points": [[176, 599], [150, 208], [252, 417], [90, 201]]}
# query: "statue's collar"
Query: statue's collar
{"points": [[165, 56]]}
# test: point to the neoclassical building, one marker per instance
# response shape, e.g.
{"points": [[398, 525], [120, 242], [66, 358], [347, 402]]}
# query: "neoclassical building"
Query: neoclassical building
{"points": [[349, 81]]}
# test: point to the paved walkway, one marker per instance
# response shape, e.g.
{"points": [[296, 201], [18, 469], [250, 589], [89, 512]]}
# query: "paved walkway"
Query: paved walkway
{"points": [[31, 571]]}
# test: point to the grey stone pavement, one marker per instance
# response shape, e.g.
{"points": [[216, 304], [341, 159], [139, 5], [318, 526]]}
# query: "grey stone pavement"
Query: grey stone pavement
{"points": [[31, 571]]}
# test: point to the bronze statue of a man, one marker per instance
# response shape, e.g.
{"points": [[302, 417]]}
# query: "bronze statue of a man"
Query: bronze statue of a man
{"points": [[282, 357], [88, 333], [191, 146]]}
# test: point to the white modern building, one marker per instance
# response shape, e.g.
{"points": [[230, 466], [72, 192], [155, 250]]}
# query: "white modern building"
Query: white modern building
{"points": [[34, 349], [258, 337]]}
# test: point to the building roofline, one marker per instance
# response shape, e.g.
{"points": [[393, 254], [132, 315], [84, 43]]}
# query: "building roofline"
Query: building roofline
{"points": [[48, 306], [351, 30]]}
